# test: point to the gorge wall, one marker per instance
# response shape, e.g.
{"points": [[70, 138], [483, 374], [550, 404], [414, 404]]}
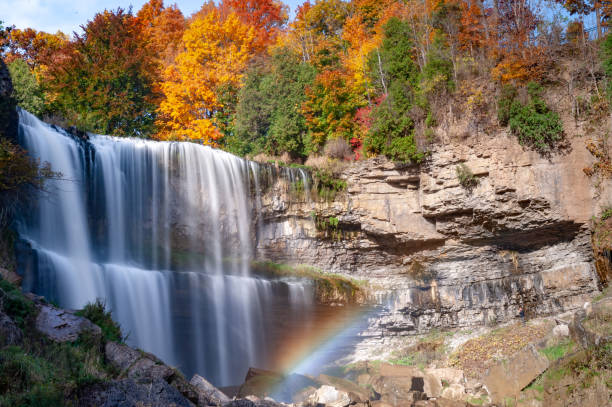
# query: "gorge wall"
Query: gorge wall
{"points": [[439, 255]]}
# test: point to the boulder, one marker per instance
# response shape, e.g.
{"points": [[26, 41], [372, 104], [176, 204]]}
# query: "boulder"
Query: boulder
{"points": [[447, 374], [431, 384], [398, 390], [263, 383], [207, 391], [454, 392], [509, 377], [303, 395], [330, 397], [146, 368], [561, 331], [240, 403], [121, 356], [10, 333], [130, 393], [63, 326], [356, 393], [135, 364], [259, 382], [443, 402]]}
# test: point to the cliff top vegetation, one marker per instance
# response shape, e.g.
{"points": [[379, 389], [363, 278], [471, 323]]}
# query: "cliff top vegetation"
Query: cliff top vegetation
{"points": [[346, 79]]}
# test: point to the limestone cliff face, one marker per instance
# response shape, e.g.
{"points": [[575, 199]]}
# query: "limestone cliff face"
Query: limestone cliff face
{"points": [[441, 255]]}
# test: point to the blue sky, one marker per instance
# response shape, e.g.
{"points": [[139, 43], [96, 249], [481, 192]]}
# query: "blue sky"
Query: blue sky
{"points": [[68, 15]]}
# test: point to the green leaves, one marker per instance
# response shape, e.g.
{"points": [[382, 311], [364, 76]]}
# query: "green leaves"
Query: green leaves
{"points": [[535, 125], [395, 71], [268, 115], [27, 91], [535, 128]]}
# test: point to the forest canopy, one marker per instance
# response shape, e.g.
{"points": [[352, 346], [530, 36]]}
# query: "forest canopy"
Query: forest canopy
{"points": [[375, 76]]}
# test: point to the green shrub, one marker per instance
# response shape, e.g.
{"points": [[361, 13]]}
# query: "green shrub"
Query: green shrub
{"points": [[466, 177], [533, 123], [504, 103], [404, 149], [606, 213], [327, 185], [14, 303], [96, 313], [606, 58]]}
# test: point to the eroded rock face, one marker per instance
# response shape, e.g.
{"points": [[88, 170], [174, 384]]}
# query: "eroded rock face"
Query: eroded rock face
{"points": [[441, 255]]}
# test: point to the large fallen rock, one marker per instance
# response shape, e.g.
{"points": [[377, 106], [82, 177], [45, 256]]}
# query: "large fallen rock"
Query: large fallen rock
{"points": [[10, 333], [356, 393], [134, 364], [264, 383], [207, 392], [509, 377], [591, 325], [447, 374], [63, 326], [398, 390], [412, 378], [330, 397], [131, 393], [121, 356], [454, 391]]}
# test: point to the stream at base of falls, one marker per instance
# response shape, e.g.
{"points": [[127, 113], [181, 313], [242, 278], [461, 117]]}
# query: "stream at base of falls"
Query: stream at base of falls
{"points": [[163, 233]]}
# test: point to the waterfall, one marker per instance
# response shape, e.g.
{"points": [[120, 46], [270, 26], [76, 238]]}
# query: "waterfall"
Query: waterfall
{"points": [[164, 233]]}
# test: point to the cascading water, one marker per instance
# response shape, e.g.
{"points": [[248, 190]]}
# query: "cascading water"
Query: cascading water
{"points": [[163, 232]]}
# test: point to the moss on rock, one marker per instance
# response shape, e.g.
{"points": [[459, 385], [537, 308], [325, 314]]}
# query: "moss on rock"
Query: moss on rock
{"points": [[329, 288]]}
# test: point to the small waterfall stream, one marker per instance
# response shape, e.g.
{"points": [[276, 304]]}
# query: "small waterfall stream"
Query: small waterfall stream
{"points": [[164, 233]]}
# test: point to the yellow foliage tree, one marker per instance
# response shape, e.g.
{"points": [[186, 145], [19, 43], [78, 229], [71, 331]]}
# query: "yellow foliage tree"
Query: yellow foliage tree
{"points": [[216, 53]]}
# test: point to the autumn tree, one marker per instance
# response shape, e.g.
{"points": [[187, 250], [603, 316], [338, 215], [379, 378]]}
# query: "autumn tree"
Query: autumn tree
{"points": [[36, 48], [330, 109], [472, 34], [216, 54], [519, 54], [104, 78], [267, 17], [164, 27]]}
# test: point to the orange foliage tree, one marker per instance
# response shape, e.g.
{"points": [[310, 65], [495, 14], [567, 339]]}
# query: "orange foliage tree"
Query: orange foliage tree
{"points": [[216, 54], [519, 55], [267, 17], [164, 27]]}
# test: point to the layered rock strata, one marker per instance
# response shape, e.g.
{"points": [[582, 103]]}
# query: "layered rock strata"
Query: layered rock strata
{"points": [[439, 254]]}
